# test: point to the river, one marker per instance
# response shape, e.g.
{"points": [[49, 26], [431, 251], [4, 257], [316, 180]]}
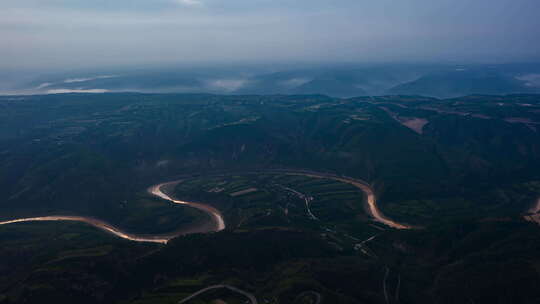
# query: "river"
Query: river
{"points": [[217, 222]]}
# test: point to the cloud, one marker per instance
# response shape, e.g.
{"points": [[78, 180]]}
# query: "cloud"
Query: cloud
{"points": [[295, 82], [531, 80], [44, 85], [188, 2], [64, 91], [227, 85], [74, 80]]}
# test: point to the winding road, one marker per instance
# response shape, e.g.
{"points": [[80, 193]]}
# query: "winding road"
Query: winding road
{"points": [[217, 221], [248, 295]]}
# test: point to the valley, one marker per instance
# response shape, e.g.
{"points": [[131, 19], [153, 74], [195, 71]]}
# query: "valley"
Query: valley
{"points": [[217, 220], [281, 197]]}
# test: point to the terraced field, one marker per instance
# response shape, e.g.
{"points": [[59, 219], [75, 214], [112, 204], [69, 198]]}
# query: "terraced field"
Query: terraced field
{"points": [[285, 201]]}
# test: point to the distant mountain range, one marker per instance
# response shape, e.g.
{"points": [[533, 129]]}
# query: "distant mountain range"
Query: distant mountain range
{"points": [[462, 82], [442, 81]]}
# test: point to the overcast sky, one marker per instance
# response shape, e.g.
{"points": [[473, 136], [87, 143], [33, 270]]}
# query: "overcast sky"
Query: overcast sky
{"points": [[84, 33]]}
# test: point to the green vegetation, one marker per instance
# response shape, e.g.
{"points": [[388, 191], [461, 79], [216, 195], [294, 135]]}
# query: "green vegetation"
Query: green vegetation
{"points": [[466, 178]]}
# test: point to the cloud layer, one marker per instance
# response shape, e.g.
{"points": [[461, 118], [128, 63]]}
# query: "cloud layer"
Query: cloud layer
{"points": [[79, 33]]}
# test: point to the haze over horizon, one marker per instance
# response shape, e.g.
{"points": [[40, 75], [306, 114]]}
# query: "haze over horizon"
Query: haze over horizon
{"points": [[56, 34]]}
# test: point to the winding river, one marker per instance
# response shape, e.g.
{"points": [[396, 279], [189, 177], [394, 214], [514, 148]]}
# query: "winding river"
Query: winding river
{"points": [[217, 223], [371, 200]]}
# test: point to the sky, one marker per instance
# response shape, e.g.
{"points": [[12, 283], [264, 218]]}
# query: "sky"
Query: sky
{"points": [[99, 33]]}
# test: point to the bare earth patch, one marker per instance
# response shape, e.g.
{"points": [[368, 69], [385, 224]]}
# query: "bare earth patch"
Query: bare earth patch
{"points": [[535, 208], [535, 218], [416, 124], [482, 116], [244, 192], [526, 121], [519, 120], [534, 213]]}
